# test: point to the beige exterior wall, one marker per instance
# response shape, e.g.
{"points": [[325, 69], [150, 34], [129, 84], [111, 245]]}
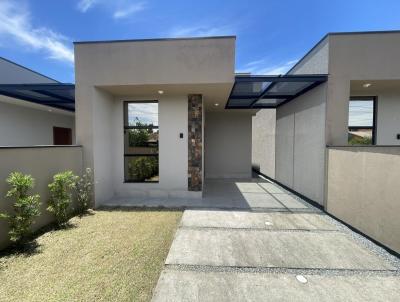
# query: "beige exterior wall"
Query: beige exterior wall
{"points": [[227, 144], [263, 141], [371, 56], [109, 72], [363, 190], [42, 163]]}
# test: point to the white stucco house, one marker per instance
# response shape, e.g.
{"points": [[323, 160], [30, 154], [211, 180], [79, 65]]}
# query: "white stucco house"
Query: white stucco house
{"points": [[30, 114]]}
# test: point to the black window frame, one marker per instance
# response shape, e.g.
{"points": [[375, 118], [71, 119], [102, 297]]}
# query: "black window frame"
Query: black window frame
{"points": [[127, 127], [374, 115]]}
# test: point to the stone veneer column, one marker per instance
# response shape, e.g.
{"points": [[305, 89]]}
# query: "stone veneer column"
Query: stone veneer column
{"points": [[195, 142]]}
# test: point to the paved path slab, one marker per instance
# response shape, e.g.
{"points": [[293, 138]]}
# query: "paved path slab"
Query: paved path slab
{"points": [[176, 286], [272, 221], [261, 248]]}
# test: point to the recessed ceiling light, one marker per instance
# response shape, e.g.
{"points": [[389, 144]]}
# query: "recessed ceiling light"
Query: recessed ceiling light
{"points": [[160, 91], [366, 85], [216, 104]]}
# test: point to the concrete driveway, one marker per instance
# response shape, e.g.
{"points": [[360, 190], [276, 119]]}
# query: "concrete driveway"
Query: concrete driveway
{"points": [[290, 253]]}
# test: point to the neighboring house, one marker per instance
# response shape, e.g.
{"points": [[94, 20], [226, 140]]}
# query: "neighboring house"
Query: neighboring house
{"points": [[29, 115]]}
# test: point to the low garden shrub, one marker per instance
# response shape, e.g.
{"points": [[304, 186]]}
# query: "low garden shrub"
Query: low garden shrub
{"points": [[26, 207], [84, 191], [61, 196]]}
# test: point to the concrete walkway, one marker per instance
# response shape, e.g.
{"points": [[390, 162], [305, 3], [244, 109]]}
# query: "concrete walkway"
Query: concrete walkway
{"points": [[288, 252]]}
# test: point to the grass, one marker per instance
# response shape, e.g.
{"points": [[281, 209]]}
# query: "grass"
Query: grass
{"points": [[107, 256]]}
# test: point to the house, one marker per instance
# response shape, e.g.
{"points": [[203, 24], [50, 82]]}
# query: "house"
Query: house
{"points": [[185, 93], [157, 119], [32, 111]]}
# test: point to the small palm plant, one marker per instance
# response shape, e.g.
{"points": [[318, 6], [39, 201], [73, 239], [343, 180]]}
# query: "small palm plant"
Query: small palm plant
{"points": [[26, 207], [61, 196]]}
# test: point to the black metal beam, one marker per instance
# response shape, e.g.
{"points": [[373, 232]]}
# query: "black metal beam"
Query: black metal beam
{"points": [[51, 103], [48, 93], [56, 86], [283, 78]]}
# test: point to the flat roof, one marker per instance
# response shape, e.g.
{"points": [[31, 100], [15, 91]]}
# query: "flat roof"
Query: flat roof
{"points": [[156, 39], [57, 95], [262, 92]]}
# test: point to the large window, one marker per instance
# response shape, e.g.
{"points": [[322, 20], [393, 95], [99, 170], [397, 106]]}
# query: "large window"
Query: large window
{"points": [[141, 141], [362, 121]]}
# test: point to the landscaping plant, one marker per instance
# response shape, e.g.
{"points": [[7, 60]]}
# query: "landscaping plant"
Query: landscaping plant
{"points": [[83, 188], [26, 207], [61, 196]]}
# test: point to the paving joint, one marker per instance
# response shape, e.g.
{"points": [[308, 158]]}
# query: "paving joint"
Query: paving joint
{"points": [[281, 270], [257, 229]]}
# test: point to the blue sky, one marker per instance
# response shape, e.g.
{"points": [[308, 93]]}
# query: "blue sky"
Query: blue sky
{"points": [[271, 35]]}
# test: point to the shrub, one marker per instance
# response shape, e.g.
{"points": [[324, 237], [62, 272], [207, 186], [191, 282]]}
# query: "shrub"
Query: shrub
{"points": [[142, 168], [83, 189], [60, 196], [26, 207]]}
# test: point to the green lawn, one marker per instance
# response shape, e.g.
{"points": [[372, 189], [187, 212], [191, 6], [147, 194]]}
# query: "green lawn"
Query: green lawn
{"points": [[107, 256]]}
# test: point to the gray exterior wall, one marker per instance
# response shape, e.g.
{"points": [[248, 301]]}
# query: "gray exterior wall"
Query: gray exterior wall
{"points": [[263, 141], [227, 144], [300, 144], [363, 190], [42, 163], [314, 62]]}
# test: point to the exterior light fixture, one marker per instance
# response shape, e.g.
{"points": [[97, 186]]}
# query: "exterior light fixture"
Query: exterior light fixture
{"points": [[161, 92], [366, 85], [216, 104]]}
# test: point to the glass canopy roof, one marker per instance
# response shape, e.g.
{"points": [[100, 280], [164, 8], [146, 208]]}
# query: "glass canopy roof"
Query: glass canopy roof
{"points": [[256, 92], [57, 95]]}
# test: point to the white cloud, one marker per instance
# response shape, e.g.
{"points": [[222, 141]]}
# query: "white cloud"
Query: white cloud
{"points": [[262, 67], [85, 5], [129, 10], [200, 31], [120, 9], [15, 23]]}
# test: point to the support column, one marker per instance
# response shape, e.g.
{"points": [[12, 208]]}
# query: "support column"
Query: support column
{"points": [[195, 142]]}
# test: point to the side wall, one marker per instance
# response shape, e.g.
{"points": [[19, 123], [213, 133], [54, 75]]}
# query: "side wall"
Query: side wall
{"points": [[17, 122], [363, 190], [227, 149], [300, 144], [263, 141], [42, 163]]}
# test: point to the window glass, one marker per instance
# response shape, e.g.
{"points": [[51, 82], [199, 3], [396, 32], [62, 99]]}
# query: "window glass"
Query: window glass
{"points": [[141, 142], [361, 121]]}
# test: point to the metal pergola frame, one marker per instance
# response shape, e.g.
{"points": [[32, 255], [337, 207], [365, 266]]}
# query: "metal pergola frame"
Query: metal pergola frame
{"points": [[56, 95], [313, 80]]}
